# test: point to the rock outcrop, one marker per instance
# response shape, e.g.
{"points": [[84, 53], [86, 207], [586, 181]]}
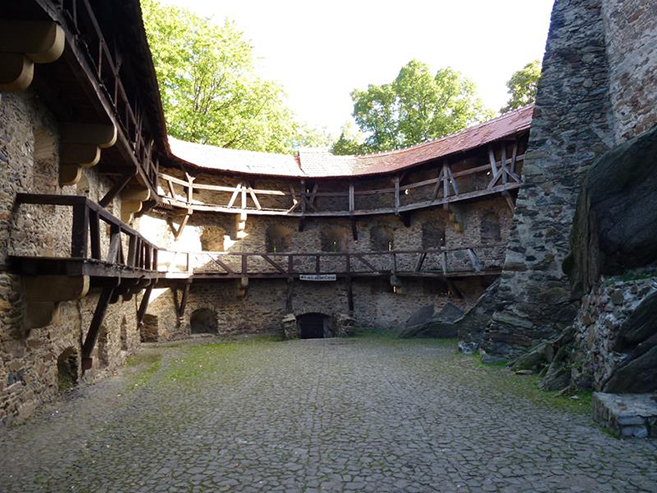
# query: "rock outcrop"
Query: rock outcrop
{"points": [[427, 322], [615, 226]]}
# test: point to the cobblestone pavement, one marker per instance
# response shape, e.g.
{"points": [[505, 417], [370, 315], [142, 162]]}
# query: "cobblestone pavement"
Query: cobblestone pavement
{"points": [[365, 414]]}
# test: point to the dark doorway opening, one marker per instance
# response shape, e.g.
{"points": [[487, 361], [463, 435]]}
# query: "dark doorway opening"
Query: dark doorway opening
{"points": [[203, 321], [314, 325], [67, 369]]}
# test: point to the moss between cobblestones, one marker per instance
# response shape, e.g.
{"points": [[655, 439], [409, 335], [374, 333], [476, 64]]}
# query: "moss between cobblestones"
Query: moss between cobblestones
{"points": [[527, 386], [146, 366]]}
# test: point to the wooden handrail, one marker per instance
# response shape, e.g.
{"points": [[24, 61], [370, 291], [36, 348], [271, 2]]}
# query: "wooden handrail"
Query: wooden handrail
{"points": [[239, 264], [91, 44], [142, 254]]}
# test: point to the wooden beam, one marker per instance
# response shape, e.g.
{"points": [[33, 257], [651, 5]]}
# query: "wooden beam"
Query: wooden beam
{"points": [[476, 264], [397, 197], [420, 262], [365, 262], [270, 261], [290, 295], [254, 198], [221, 264], [94, 233], [183, 223], [80, 231], [144, 303], [350, 296], [115, 190], [352, 198], [94, 328], [234, 196]]}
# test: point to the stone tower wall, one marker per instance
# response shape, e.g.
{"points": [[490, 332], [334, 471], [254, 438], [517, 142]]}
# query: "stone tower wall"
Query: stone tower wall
{"points": [[597, 89]]}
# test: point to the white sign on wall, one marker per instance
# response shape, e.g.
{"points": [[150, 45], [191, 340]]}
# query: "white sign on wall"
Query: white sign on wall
{"points": [[317, 277]]}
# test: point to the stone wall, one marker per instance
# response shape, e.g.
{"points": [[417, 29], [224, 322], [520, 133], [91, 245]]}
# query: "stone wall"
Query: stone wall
{"points": [[264, 304], [609, 304], [631, 38], [597, 90], [375, 304], [572, 126], [29, 372]]}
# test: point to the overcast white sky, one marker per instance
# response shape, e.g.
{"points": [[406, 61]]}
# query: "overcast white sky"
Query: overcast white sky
{"points": [[321, 51]]}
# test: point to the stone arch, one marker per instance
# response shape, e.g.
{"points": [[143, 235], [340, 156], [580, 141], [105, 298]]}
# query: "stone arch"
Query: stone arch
{"points": [[433, 234], [334, 238], [204, 321], [278, 238], [314, 325], [382, 238], [490, 227], [67, 368], [212, 238], [102, 347], [124, 334]]}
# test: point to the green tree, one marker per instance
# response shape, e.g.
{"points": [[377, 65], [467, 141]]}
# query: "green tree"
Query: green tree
{"points": [[210, 91], [522, 86], [351, 141], [417, 106]]}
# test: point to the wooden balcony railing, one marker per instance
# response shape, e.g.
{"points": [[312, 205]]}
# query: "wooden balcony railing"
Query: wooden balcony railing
{"points": [[123, 253], [118, 251], [441, 262], [84, 33]]}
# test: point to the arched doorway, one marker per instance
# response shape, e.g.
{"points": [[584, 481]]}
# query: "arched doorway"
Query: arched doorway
{"points": [[203, 321], [314, 325], [67, 369]]}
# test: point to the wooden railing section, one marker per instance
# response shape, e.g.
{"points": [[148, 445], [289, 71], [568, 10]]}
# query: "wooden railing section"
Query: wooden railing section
{"points": [[83, 30], [302, 199], [430, 262], [86, 242]]}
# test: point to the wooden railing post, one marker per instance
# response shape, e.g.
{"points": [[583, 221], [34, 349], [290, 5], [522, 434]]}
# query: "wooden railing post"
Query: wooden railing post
{"points": [[80, 231]]}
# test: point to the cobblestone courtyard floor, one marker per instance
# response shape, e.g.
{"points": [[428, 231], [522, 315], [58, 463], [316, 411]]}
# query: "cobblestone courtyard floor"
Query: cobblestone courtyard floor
{"points": [[364, 414]]}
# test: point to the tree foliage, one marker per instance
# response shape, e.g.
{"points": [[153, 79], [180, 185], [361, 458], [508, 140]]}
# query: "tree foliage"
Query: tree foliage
{"points": [[211, 93], [522, 86], [417, 106]]}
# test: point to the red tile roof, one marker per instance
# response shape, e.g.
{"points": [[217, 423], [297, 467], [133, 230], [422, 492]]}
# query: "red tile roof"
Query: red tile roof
{"points": [[321, 164]]}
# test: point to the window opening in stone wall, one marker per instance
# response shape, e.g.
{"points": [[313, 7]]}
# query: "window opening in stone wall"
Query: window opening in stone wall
{"points": [[334, 238], [314, 325], [124, 334], [212, 239], [278, 239], [203, 321], [490, 227], [67, 369], [382, 238], [433, 235], [103, 348]]}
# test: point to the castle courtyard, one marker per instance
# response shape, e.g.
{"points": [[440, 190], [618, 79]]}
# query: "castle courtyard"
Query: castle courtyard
{"points": [[359, 414]]}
